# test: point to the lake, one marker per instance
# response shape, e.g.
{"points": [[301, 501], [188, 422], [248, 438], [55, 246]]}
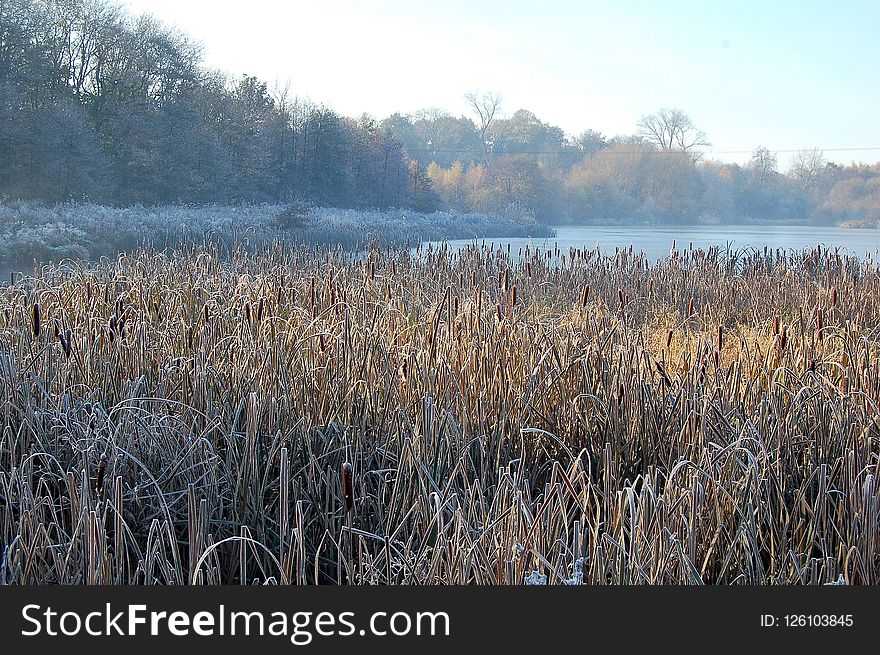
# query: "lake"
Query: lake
{"points": [[656, 241]]}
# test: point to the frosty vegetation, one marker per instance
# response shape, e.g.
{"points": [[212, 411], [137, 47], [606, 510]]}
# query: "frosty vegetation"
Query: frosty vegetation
{"points": [[32, 232]]}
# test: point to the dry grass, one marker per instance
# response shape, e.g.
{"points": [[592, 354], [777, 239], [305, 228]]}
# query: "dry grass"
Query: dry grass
{"points": [[298, 416]]}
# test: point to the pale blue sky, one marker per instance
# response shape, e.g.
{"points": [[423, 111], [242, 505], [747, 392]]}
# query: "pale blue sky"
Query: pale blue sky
{"points": [[785, 75]]}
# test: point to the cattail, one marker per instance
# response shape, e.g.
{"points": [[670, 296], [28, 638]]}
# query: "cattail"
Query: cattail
{"points": [[668, 338], [720, 338], [690, 307], [102, 469], [260, 310], [247, 311], [620, 296], [347, 489], [819, 323], [833, 296], [775, 326], [784, 338], [585, 295], [36, 317], [65, 339], [513, 296], [663, 375], [650, 287]]}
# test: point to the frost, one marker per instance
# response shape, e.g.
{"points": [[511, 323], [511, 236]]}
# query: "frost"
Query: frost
{"points": [[29, 231], [577, 575], [536, 578]]}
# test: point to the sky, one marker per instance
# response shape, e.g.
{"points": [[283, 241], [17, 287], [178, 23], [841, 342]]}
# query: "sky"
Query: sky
{"points": [[782, 74]]}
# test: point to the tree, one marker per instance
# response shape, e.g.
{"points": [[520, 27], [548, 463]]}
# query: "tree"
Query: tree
{"points": [[672, 129], [762, 166], [806, 165], [525, 133], [485, 106], [424, 198], [589, 142]]}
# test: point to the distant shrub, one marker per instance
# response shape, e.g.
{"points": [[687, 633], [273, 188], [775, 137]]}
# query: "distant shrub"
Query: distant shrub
{"points": [[294, 216]]}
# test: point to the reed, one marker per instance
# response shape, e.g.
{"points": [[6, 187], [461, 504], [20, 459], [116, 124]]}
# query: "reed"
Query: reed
{"points": [[199, 417]]}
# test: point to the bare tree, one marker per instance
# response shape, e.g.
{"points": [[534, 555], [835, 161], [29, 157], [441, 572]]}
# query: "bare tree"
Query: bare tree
{"points": [[486, 106], [806, 165], [672, 129], [762, 165]]}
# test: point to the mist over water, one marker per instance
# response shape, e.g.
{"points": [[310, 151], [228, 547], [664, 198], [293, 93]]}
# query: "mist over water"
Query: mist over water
{"points": [[656, 242]]}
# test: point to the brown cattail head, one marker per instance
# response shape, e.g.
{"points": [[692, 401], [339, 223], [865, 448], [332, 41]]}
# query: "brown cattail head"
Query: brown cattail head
{"points": [[102, 469], [775, 326], [820, 323], [37, 314], [668, 338], [690, 307], [833, 296], [513, 296], [585, 295], [347, 487], [620, 296], [65, 340], [720, 338], [650, 287]]}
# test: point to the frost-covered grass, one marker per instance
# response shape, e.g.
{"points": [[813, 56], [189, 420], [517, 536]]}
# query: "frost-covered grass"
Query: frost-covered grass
{"points": [[30, 231], [465, 416]]}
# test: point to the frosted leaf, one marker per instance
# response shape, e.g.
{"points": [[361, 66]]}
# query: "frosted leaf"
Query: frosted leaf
{"points": [[577, 574], [536, 578]]}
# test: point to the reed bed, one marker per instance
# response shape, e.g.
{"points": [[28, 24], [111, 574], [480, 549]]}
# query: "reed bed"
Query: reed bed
{"points": [[301, 416]]}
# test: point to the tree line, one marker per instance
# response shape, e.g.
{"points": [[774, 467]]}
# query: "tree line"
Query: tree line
{"points": [[98, 105]]}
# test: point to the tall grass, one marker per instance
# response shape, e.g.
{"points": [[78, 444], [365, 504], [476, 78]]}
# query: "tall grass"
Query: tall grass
{"points": [[478, 417]]}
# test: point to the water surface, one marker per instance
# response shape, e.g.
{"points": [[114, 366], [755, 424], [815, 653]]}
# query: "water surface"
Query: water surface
{"points": [[657, 241]]}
